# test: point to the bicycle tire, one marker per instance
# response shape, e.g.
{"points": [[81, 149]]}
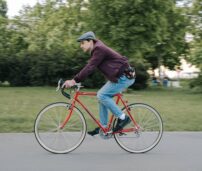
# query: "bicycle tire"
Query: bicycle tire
{"points": [[148, 136], [47, 128]]}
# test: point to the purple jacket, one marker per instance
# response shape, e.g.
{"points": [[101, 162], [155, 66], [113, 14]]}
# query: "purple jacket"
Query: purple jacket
{"points": [[109, 62]]}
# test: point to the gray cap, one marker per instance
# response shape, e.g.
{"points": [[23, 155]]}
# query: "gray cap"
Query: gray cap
{"points": [[87, 36]]}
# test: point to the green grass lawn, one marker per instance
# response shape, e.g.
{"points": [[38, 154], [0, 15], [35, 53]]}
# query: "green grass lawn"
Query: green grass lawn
{"points": [[180, 109]]}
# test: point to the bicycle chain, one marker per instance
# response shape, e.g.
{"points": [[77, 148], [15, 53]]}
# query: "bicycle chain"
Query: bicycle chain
{"points": [[105, 136]]}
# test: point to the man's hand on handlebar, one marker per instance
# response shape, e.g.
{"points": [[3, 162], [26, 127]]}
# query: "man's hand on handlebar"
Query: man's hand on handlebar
{"points": [[69, 83]]}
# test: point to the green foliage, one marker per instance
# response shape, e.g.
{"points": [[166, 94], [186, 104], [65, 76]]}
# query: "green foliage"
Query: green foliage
{"points": [[196, 84], [121, 24], [3, 8], [42, 44], [153, 30], [196, 13], [141, 81], [196, 51], [3, 41], [196, 56], [171, 43], [95, 80], [142, 76], [39, 46]]}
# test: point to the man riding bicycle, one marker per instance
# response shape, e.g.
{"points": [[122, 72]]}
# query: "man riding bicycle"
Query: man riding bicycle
{"points": [[117, 71]]}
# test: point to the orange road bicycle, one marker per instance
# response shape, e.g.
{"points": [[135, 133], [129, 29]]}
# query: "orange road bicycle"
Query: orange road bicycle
{"points": [[61, 127]]}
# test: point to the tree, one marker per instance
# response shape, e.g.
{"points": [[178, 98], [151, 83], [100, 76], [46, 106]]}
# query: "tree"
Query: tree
{"points": [[172, 44], [47, 49], [42, 39], [196, 18], [153, 30], [148, 31], [3, 8], [196, 51], [3, 41]]}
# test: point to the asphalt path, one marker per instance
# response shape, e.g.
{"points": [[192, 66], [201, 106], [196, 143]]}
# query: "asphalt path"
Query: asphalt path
{"points": [[177, 151]]}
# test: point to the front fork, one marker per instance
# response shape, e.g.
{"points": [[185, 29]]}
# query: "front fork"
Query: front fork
{"points": [[70, 110]]}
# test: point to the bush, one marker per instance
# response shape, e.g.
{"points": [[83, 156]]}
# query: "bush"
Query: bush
{"points": [[96, 80], [141, 81], [196, 84], [18, 72], [46, 67]]}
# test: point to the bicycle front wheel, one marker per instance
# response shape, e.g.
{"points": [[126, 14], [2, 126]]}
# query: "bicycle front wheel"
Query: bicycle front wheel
{"points": [[51, 136], [149, 133]]}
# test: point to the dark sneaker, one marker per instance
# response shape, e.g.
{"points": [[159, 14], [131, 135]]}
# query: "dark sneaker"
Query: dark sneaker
{"points": [[94, 132], [121, 124]]}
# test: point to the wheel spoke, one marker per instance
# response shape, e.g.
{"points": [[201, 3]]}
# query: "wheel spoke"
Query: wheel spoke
{"points": [[51, 137], [149, 134]]}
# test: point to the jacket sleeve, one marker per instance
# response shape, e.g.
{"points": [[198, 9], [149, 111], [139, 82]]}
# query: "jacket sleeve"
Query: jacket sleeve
{"points": [[96, 59]]}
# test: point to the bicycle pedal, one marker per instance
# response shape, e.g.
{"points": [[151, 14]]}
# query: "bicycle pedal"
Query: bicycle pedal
{"points": [[109, 132], [106, 135], [121, 134]]}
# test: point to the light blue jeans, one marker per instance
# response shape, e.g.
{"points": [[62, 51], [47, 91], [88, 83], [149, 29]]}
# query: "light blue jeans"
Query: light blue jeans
{"points": [[105, 97]]}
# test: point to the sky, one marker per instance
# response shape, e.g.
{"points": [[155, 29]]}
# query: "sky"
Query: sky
{"points": [[14, 6]]}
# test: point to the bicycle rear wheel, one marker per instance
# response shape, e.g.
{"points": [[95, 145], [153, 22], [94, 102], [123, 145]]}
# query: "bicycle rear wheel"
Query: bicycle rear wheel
{"points": [[49, 134], [149, 133]]}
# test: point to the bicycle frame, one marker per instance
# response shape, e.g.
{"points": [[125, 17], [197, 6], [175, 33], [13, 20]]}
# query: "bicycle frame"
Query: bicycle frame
{"points": [[61, 127], [105, 130]]}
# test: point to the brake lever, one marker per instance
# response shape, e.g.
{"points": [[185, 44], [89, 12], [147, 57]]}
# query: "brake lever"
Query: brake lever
{"points": [[60, 82]]}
